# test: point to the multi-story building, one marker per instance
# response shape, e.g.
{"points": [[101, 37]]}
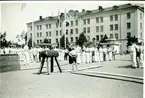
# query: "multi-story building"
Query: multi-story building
{"points": [[116, 22]]}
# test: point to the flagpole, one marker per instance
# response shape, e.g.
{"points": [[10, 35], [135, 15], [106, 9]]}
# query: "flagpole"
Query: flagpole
{"points": [[65, 29]]}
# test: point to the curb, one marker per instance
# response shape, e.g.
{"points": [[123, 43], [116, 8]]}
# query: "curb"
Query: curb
{"points": [[120, 77]]}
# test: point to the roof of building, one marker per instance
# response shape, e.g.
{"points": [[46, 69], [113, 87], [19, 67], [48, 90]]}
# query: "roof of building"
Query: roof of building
{"points": [[99, 10]]}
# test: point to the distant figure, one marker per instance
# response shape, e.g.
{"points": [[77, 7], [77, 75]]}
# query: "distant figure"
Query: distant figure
{"points": [[27, 59], [73, 58]]}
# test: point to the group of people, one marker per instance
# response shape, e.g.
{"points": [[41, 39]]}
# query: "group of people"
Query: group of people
{"points": [[90, 54], [137, 54], [78, 55]]}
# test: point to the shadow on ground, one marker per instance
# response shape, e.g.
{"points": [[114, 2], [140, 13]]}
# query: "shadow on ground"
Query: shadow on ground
{"points": [[128, 66]]}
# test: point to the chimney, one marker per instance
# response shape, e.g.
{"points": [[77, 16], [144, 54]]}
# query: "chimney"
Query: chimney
{"points": [[83, 10], [40, 17], [115, 7], [100, 8]]}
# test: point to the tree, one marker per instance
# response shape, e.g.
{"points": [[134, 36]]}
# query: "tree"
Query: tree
{"points": [[131, 40], [25, 37], [62, 41], [104, 39], [30, 42], [82, 39], [45, 40]]}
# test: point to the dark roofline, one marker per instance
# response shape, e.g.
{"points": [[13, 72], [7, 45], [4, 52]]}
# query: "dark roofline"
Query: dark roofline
{"points": [[123, 6]]}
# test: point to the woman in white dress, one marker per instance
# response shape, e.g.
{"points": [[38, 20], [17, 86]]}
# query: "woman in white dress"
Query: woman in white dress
{"points": [[101, 54], [84, 55], [97, 58], [78, 50]]}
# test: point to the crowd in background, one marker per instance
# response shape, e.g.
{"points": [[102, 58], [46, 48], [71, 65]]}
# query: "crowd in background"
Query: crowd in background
{"points": [[137, 54], [77, 55]]}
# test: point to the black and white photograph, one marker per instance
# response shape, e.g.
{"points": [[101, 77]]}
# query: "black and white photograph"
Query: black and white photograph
{"points": [[71, 49]]}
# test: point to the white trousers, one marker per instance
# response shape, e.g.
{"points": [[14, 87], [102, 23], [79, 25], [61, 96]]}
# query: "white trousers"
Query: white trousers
{"points": [[79, 58]]}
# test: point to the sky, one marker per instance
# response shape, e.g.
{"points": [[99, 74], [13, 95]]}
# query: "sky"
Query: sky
{"points": [[13, 19]]}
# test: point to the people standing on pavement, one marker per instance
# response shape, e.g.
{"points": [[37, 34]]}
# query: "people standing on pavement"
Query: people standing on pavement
{"points": [[78, 50], [83, 54], [97, 54], [101, 53], [133, 55], [142, 54], [26, 50], [87, 54], [73, 58], [110, 50]]}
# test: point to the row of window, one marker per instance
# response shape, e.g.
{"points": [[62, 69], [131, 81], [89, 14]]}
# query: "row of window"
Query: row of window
{"points": [[87, 21], [86, 30], [40, 41], [71, 31], [39, 34], [71, 39], [100, 37]]}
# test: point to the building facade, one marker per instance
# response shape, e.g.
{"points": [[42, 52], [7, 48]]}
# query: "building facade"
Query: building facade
{"points": [[116, 22]]}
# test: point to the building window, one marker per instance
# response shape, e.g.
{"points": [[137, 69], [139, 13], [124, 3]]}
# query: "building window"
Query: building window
{"points": [[101, 29], [46, 26], [40, 34], [46, 33], [128, 15], [111, 27], [76, 22], [56, 40], [128, 34], [140, 15], [71, 23], [141, 35], [71, 39], [56, 33], [116, 17], [97, 28], [40, 27], [60, 24], [60, 32], [111, 18], [66, 32], [37, 41], [49, 33], [111, 36], [128, 25], [101, 18], [140, 25], [76, 31], [84, 30], [37, 27], [71, 31], [84, 21], [37, 34], [101, 37], [88, 29], [30, 28], [76, 39], [88, 20], [67, 39], [49, 40], [40, 41], [97, 19], [97, 37], [116, 36], [31, 34], [49, 26], [116, 26], [88, 38]]}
